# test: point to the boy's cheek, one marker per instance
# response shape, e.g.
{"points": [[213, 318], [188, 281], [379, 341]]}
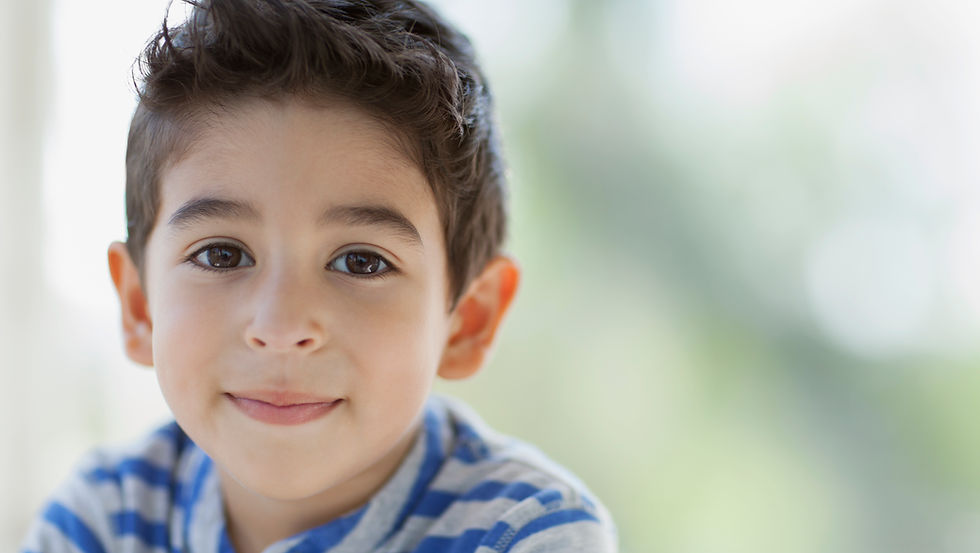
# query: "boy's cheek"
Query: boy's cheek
{"points": [[181, 304], [406, 335], [189, 334]]}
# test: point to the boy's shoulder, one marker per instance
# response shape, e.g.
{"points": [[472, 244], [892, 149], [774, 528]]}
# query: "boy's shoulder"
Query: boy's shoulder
{"points": [[499, 493], [476, 454], [123, 497]]}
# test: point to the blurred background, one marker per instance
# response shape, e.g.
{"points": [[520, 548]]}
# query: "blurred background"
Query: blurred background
{"points": [[750, 233]]}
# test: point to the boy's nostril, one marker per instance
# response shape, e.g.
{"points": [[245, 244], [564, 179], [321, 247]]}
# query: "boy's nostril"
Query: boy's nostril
{"points": [[305, 343]]}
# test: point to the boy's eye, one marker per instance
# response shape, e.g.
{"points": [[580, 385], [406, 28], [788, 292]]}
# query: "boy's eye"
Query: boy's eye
{"points": [[221, 256], [362, 263]]}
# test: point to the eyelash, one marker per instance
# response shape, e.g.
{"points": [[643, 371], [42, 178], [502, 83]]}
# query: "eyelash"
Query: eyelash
{"points": [[192, 258], [387, 269]]}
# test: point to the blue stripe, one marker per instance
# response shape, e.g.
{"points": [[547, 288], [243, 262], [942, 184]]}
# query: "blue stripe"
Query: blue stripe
{"points": [[471, 448], [73, 528], [500, 534], [467, 542], [132, 523], [224, 542], [550, 520], [323, 538], [138, 468], [436, 502], [547, 497], [191, 494], [493, 489]]}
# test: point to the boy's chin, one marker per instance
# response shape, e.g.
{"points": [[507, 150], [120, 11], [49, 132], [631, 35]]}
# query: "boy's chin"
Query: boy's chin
{"points": [[278, 485]]}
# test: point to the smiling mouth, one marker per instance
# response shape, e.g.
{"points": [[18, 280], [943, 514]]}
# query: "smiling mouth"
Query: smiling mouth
{"points": [[282, 409]]}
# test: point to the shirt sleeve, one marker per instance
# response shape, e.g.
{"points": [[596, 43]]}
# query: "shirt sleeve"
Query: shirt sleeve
{"points": [[74, 520], [547, 523]]}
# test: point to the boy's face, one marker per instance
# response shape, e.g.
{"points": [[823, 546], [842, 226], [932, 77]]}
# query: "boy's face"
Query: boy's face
{"points": [[297, 285]]}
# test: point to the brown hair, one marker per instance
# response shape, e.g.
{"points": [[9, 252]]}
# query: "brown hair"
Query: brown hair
{"points": [[396, 59]]}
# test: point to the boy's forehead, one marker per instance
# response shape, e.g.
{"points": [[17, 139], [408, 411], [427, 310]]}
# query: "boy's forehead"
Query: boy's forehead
{"points": [[308, 159], [230, 126]]}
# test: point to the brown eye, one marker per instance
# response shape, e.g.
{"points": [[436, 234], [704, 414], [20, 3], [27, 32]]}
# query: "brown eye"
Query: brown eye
{"points": [[360, 263], [222, 256]]}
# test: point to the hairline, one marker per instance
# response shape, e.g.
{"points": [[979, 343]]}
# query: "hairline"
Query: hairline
{"points": [[196, 117]]}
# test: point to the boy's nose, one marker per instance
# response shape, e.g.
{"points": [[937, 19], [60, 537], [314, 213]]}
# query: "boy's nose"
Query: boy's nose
{"points": [[284, 321], [271, 342]]}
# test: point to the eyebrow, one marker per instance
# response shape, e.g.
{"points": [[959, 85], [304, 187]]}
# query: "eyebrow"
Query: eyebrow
{"points": [[198, 209], [374, 215]]}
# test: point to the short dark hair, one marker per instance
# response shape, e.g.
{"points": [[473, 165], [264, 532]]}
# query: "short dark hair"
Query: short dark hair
{"points": [[396, 59]]}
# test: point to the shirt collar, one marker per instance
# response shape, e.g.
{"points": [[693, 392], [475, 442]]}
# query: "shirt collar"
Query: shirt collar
{"points": [[201, 521]]}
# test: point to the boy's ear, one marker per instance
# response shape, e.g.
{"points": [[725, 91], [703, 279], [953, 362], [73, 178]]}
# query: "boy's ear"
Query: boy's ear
{"points": [[136, 323], [477, 317]]}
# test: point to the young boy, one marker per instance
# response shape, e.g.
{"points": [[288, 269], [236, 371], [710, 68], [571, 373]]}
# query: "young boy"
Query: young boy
{"points": [[315, 217]]}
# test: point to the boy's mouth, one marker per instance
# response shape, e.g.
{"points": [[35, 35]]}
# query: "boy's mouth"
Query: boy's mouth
{"points": [[284, 408]]}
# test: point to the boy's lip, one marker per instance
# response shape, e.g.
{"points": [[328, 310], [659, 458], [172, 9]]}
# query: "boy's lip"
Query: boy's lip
{"points": [[279, 407], [281, 398]]}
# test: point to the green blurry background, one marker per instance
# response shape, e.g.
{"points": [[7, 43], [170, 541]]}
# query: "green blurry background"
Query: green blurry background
{"points": [[750, 235]]}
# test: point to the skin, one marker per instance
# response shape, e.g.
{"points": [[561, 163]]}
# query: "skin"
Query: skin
{"points": [[255, 296]]}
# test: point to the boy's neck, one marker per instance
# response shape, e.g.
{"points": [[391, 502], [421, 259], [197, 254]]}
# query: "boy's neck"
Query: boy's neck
{"points": [[255, 522]]}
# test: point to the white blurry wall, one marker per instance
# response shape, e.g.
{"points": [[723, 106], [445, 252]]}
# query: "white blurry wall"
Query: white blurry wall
{"points": [[66, 102], [20, 229]]}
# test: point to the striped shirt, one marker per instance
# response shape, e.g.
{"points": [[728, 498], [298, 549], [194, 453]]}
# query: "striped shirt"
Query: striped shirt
{"points": [[461, 488]]}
